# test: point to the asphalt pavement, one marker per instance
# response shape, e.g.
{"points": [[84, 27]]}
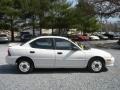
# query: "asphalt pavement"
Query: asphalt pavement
{"points": [[59, 79]]}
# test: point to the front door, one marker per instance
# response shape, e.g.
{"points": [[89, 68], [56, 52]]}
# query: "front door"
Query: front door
{"points": [[66, 57]]}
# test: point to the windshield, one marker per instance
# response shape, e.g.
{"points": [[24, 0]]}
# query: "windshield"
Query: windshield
{"points": [[83, 45]]}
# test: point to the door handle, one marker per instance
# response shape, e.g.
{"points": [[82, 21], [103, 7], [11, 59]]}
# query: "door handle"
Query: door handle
{"points": [[59, 53], [32, 51]]}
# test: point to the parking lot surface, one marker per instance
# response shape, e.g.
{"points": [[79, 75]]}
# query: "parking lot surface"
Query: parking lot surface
{"points": [[59, 79]]}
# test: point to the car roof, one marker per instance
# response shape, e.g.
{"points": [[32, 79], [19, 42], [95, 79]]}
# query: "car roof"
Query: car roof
{"points": [[52, 37]]}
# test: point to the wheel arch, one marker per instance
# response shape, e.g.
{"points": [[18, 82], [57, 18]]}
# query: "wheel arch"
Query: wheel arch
{"points": [[25, 58], [93, 58]]}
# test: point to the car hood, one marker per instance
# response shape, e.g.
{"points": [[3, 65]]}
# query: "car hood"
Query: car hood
{"points": [[98, 52]]}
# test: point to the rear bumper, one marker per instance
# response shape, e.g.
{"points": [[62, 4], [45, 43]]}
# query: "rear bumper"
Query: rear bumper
{"points": [[11, 60], [110, 62]]}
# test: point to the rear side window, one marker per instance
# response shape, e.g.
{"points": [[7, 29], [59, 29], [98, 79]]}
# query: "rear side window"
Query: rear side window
{"points": [[42, 43]]}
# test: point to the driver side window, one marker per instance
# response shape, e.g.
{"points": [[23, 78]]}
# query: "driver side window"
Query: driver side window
{"points": [[62, 44]]}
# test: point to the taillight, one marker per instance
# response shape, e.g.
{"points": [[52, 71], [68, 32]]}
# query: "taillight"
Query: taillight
{"points": [[9, 53]]}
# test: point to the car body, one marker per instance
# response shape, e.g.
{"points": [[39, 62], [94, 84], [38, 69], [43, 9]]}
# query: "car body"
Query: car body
{"points": [[56, 52], [111, 35], [83, 37], [119, 41], [93, 37], [79, 37], [26, 37], [102, 37], [73, 37], [4, 38]]}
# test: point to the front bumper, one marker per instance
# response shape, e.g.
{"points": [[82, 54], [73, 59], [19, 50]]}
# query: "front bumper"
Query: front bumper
{"points": [[110, 61]]}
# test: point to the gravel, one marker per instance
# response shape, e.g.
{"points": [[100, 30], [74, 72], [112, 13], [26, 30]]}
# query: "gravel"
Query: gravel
{"points": [[59, 79]]}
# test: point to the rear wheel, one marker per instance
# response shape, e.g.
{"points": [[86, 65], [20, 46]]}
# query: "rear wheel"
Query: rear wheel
{"points": [[25, 66], [96, 65]]}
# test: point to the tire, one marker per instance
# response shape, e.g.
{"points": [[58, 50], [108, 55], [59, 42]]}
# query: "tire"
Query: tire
{"points": [[25, 66], [96, 65]]}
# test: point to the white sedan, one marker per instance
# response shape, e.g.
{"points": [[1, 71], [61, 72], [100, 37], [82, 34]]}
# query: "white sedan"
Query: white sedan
{"points": [[4, 38], [92, 37], [56, 52]]}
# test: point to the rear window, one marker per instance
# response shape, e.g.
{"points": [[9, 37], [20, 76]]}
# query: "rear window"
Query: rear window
{"points": [[42, 43]]}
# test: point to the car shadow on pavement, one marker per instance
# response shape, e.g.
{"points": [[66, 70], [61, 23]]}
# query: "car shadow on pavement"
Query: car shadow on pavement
{"points": [[63, 70], [8, 69]]}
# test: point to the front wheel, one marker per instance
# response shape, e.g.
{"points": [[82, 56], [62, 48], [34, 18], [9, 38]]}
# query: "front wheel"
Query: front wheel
{"points": [[96, 65], [25, 66]]}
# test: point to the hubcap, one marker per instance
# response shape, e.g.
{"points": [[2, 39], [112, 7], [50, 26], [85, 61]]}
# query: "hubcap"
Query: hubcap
{"points": [[24, 66], [96, 66]]}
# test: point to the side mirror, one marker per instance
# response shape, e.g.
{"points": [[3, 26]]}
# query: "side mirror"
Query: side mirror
{"points": [[74, 48]]}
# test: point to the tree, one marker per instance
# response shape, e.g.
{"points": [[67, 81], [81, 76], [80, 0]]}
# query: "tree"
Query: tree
{"points": [[28, 10], [59, 15], [37, 10], [10, 9], [42, 9], [86, 21], [106, 7], [55, 14]]}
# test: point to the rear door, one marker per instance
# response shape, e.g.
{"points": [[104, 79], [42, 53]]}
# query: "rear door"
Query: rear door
{"points": [[65, 56], [42, 52]]}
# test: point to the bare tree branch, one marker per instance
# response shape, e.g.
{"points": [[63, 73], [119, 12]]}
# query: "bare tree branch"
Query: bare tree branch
{"points": [[106, 7]]}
